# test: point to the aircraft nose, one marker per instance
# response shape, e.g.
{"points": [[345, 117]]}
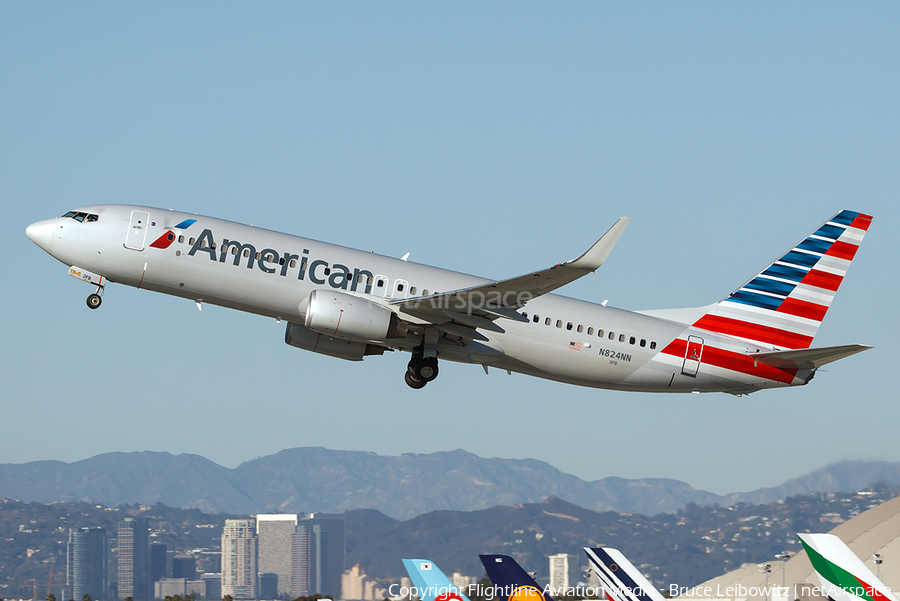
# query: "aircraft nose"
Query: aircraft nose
{"points": [[40, 233]]}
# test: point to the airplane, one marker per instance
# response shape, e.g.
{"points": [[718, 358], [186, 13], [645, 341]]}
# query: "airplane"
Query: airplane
{"points": [[511, 582], [843, 575], [430, 583], [349, 304], [620, 579]]}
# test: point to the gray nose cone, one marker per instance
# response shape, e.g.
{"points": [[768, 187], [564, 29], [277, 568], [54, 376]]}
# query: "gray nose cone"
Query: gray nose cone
{"points": [[40, 233]]}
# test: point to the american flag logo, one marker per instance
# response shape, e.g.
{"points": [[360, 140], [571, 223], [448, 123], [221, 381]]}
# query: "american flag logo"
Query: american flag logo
{"points": [[575, 346], [426, 566]]}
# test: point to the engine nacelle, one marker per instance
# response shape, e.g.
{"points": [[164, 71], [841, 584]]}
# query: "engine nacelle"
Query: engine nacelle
{"points": [[341, 315], [302, 337]]}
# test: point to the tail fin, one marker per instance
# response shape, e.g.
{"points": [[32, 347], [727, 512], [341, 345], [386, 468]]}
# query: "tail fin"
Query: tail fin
{"points": [[621, 580], [431, 583], [513, 582], [784, 304], [843, 575]]}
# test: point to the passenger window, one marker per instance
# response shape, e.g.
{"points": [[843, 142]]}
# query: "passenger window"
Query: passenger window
{"points": [[569, 326], [257, 258], [327, 269], [399, 287], [536, 319], [234, 250], [621, 337], [591, 331], [643, 342], [368, 281], [293, 263], [412, 290], [425, 292], [558, 323], [652, 345], [612, 335], [631, 340], [547, 321], [191, 241], [381, 283], [213, 246], [580, 328], [281, 261], [600, 333], [181, 239], [246, 253]]}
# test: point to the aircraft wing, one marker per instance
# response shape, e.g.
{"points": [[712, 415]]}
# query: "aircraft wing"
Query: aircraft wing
{"points": [[503, 298], [808, 358]]}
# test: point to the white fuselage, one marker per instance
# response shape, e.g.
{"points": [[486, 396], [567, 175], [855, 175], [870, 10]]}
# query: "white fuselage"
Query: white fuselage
{"points": [[272, 274]]}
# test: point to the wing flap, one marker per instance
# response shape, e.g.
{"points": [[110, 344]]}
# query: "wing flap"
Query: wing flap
{"points": [[810, 358]]}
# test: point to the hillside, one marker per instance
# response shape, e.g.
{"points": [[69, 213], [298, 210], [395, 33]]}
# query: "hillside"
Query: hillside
{"points": [[318, 479]]}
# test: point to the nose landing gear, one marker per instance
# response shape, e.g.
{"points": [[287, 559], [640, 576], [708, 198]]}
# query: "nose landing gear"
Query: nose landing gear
{"points": [[94, 300]]}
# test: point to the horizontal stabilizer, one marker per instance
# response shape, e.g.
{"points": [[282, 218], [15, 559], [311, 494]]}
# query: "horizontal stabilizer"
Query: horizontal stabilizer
{"points": [[809, 358]]}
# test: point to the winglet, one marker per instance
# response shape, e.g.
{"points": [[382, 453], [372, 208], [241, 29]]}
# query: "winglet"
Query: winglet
{"points": [[594, 257]]}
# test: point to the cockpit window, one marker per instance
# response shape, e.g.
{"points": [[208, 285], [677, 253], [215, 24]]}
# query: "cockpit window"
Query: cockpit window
{"points": [[81, 217]]}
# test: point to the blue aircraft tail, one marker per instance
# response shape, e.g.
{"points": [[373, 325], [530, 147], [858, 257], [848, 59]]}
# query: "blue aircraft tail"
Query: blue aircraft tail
{"points": [[511, 581], [431, 583]]}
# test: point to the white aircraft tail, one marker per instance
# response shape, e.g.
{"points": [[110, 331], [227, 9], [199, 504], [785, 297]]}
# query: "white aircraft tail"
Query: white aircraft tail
{"points": [[621, 580], [843, 575]]}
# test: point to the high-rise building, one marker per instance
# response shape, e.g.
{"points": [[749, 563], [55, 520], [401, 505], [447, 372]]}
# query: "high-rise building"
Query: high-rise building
{"points": [[87, 563], [353, 583], [134, 560], [239, 559], [184, 566], [158, 561], [277, 540], [320, 543], [563, 573]]}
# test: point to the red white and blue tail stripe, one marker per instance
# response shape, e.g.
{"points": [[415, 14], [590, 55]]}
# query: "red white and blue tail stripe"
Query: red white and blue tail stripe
{"points": [[783, 306]]}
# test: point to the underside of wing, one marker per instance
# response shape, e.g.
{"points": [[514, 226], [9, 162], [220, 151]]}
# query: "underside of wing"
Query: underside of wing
{"points": [[478, 306], [811, 358]]}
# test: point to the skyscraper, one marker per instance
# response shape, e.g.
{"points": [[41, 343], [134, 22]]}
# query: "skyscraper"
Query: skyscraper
{"points": [[87, 563], [184, 566], [134, 560], [239, 559], [564, 573], [277, 535], [158, 561], [320, 543]]}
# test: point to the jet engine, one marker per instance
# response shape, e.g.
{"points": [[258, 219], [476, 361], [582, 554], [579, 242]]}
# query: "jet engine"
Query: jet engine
{"points": [[302, 337], [341, 315]]}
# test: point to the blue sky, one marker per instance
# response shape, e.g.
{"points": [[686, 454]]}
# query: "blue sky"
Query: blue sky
{"points": [[490, 138]]}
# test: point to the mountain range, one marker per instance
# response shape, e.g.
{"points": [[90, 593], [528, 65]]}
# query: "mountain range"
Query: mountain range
{"points": [[315, 479]]}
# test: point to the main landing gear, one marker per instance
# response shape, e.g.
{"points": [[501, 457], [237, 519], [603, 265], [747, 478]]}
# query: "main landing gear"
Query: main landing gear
{"points": [[421, 370]]}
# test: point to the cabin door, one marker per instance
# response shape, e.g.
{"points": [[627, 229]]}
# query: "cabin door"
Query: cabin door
{"points": [[693, 354]]}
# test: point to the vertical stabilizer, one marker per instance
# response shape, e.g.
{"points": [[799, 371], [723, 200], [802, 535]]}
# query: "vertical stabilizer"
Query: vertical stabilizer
{"points": [[621, 580], [785, 303], [511, 582], [431, 583], [843, 575]]}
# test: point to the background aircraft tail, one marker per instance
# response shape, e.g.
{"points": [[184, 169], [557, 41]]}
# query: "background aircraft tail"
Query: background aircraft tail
{"points": [[785, 303], [843, 575], [431, 583], [621, 580], [512, 582]]}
